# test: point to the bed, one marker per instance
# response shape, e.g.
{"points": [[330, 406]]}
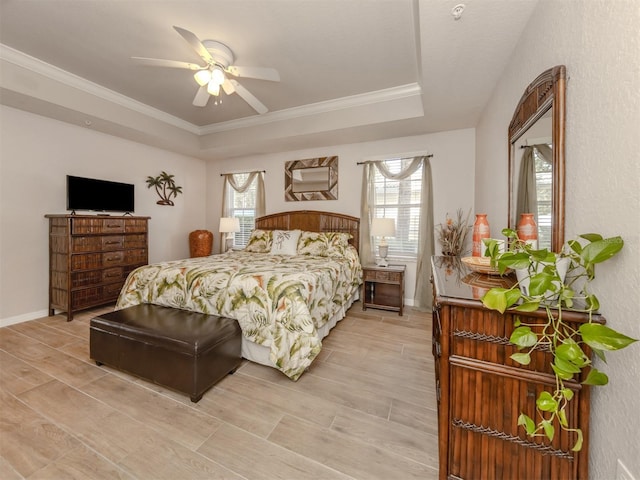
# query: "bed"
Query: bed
{"points": [[287, 289]]}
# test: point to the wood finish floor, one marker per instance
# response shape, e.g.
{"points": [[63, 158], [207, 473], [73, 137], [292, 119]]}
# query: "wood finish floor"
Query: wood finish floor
{"points": [[364, 410]]}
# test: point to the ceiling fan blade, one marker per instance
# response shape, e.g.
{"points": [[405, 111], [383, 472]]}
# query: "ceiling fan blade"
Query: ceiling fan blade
{"points": [[260, 73], [202, 97], [248, 97], [195, 43], [158, 62], [228, 87]]}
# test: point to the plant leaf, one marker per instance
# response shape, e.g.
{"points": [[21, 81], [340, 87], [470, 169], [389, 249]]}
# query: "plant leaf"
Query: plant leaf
{"points": [[601, 250], [565, 365], [569, 350], [567, 393], [521, 358], [546, 402], [561, 373], [531, 306], [596, 378], [562, 416], [549, 431], [601, 337], [523, 337], [528, 423], [500, 298], [578, 445]]}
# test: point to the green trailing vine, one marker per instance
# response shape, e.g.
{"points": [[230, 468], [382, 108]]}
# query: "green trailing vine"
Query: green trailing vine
{"points": [[547, 289]]}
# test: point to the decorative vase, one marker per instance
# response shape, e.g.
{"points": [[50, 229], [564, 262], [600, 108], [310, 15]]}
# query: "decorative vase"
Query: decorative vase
{"points": [[200, 243], [480, 231], [528, 230]]}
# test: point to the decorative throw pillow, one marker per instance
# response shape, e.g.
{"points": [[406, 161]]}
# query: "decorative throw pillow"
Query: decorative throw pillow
{"points": [[259, 241], [285, 242], [337, 243], [313, 243]]}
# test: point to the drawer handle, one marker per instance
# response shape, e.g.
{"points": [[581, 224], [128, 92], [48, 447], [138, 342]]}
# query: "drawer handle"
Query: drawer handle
{"points": [[113, 259], [111, 275], [112, 243], [113, 225]]}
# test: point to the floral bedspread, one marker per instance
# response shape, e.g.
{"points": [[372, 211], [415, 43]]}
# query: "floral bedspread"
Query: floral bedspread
{"points": [[279, 300]]}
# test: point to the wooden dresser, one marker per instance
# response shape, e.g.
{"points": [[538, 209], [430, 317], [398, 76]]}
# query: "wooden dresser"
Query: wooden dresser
{"points": [[90, 257], [481, 391]]}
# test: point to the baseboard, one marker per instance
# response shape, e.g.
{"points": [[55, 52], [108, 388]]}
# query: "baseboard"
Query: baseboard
{"points": [[25, 317]]}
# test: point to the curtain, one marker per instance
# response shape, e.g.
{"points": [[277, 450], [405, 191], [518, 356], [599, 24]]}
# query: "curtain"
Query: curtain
{"points": [[423, 296], [527, 199], [230, 181]]}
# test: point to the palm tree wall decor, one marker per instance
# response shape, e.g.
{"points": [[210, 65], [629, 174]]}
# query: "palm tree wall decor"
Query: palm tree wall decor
{"points": [[165, 187]]}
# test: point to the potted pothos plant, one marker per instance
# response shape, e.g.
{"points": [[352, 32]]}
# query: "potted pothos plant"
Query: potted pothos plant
{"points": [[547, 288]]}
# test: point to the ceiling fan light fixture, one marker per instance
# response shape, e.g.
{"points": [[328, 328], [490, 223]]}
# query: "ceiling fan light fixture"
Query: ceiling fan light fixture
{"points": [[202, 77], [213, 88], [217, 75]]}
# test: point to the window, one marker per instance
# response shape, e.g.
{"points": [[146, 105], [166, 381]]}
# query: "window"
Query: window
{"points": [[400, 200], [544, 193], [243, 207]]}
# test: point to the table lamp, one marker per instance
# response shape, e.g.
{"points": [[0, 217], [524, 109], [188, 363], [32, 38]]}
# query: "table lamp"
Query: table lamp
{"points": [[228, 225], [383, 227]]}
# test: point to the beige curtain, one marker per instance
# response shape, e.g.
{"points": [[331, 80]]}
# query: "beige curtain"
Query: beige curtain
{"points": [[527, 199], [230, 181], [422, 297]]}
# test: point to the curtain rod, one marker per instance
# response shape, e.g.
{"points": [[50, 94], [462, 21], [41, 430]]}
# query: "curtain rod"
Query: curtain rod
{"points": [[234, 173], [402, 158]]}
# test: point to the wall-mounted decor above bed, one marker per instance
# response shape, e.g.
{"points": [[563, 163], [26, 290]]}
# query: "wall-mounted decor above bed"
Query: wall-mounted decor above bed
{"points": [[311, 179]]}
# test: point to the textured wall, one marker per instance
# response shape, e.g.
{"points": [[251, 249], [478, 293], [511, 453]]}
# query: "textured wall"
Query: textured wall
{"points": [[599, 43]]}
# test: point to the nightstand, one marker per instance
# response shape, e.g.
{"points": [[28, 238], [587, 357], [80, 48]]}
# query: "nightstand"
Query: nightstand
{"points": [[383, 287]]}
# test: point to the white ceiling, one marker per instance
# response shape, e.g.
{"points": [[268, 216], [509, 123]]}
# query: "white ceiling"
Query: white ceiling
{"points": [[351, 70]]}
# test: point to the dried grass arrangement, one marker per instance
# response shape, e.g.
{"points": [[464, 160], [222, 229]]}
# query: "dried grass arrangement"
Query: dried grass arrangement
{"points": [[452, 234]]}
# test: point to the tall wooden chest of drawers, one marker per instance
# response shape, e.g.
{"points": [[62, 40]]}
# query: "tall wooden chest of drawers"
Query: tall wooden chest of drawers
{"points": [[90, 257], [481, 391]]}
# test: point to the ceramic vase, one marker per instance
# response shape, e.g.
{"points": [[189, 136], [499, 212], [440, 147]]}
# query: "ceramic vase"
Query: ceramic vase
{"points": [[528, 230], [480, 232]]}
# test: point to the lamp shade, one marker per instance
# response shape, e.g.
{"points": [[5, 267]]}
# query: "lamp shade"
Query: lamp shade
{"points": [[229, 224], [383, 227], [202, 77]]}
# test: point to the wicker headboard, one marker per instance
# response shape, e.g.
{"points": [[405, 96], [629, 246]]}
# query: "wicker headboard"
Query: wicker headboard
{"points": [[312, 221]]}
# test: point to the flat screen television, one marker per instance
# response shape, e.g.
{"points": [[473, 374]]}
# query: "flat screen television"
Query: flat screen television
{"points": [[99, 195]]}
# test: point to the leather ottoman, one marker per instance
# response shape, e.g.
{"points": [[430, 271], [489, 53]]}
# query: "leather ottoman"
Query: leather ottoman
{"points": [[185, 351]]}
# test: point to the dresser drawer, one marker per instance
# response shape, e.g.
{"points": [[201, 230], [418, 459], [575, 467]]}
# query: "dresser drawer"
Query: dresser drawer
{"points": [[476, 335], [113, 242], [136, 256], [112, 274], [382, 276], [112, 258], [135, 241], [97, 243], [85, 226]]}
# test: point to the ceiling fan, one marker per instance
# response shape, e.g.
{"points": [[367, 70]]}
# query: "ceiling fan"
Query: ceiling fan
{"points": [[212, 75]]}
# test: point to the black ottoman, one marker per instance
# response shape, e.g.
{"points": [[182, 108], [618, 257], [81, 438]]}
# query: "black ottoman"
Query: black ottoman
{"points": [[185, 351]]}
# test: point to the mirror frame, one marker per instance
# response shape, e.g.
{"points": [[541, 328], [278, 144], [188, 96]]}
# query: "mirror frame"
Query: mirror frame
{"points": [[546, 92], [331, 193]]}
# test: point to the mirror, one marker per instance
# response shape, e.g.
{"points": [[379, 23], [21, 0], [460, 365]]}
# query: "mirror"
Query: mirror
{"points": [[536, 157], [311, 179]]}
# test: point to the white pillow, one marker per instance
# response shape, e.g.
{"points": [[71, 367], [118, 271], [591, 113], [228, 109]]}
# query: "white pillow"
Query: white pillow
{"points": [[285, 242]]}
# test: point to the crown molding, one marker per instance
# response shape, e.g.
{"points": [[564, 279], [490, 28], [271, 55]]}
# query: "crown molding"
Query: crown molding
{"points": [[353, 101], [52, 72]]}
